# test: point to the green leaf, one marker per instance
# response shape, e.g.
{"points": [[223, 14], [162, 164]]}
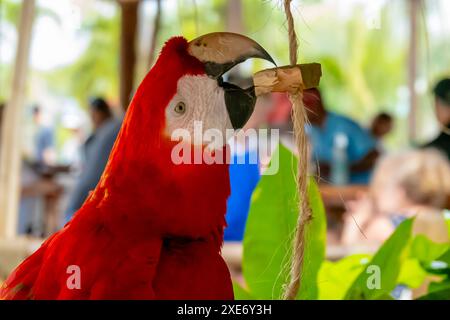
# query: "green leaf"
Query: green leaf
{"points": [[443, 294], [441, 265], [447, 220], [385, 265], [335, 278], [439, 286], [240, 293], [445, 257], [269, 230], [426, 250], [411, 273], [270, 224]]}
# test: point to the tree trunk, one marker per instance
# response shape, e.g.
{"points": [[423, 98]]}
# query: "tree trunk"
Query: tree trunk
{"points": [[129, 13], [412, 69], [234, 16], [156, 27], [10, 147], [234, 23]]}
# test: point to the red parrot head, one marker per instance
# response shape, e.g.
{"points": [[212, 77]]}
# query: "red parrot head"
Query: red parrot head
{"points": [[185, 86]]}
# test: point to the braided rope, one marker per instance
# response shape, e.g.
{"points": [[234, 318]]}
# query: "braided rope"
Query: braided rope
{"points": [[299, 119]]}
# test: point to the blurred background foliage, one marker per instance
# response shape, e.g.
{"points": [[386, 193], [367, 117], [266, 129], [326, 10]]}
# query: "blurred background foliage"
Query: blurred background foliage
{"points": [[362, 46], [89, 75], [363, 49]]}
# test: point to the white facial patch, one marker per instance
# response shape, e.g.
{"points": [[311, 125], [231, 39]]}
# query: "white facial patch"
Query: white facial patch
{"points": [[198, 111]]}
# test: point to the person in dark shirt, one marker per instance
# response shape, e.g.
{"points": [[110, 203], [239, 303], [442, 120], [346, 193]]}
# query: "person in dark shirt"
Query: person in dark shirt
{"points": [[381, 126], [44, 140], [442, 106], [96, 153]]}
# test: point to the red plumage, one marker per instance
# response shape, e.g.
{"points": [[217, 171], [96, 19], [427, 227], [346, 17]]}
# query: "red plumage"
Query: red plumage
{"points": [[151, 229]]}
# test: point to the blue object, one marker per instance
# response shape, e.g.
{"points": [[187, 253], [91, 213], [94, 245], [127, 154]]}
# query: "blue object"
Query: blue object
{"points": [[360, 142], [43, 140], [244, 177]]}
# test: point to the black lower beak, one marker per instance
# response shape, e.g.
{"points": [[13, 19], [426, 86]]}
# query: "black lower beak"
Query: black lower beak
{"points": [[240, 103]]}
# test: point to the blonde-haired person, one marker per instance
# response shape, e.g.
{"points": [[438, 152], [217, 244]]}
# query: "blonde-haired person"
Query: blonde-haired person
{"points": [[411, 183]]}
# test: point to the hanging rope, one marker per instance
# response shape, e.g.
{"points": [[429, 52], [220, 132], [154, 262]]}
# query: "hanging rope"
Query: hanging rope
{"points": [[299, 120], [293, 44]]}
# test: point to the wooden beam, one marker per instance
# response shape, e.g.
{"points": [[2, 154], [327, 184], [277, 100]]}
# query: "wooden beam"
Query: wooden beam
{"points": [[10, 153], [412, 69], [154, 39], [234, 20], [234, 23], [128, 35]]}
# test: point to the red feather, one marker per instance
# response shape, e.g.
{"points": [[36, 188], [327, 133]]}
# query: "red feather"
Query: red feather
{"points": [[150, 229]]}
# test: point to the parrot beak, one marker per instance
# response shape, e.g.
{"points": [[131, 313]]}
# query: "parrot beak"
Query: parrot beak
{"points": [[221, 51]]}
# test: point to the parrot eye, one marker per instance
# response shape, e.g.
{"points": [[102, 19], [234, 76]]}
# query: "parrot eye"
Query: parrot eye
{"points": [[180, 108]]}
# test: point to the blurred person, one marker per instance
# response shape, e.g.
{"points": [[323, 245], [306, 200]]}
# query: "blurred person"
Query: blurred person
{"points": [[407, 184], [39, 203], [381, 126], [39, 190], [442, 106], [44, 141], [96, 152], [336, 138]]}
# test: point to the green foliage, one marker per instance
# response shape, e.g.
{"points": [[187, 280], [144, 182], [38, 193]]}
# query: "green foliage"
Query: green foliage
{"points": [[96, 72], [447, 220], [335, 278], [240, 293], [425, 250], [387, 260], [363, 67], [445, 259], [412, 273], [443, 294], [440, 266], [10, 11], [402, 259], [439, 290], [439, 286], [269, 230]]}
